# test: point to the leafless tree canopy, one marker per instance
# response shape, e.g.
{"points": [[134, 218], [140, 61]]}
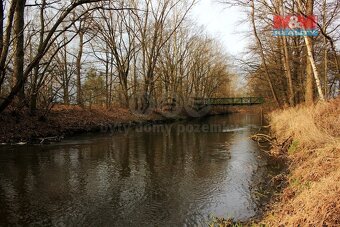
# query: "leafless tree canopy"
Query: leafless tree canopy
{"points": [[138, 53], [109, 53], [292, 70]]}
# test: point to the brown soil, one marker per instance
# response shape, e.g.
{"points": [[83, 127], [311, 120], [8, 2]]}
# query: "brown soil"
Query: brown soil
{"points": [[21, 126]]}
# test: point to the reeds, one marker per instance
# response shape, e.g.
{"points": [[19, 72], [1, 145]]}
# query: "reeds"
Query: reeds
{"points": [[312, 197]]}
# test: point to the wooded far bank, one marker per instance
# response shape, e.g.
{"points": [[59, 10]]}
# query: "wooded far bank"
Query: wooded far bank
{"points": [[140, 54]]}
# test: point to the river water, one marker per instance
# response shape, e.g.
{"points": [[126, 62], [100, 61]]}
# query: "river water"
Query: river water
{"points": [[182, 174]]}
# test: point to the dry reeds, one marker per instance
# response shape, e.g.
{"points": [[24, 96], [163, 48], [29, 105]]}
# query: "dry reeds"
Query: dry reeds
{"points": [[312, 197]]}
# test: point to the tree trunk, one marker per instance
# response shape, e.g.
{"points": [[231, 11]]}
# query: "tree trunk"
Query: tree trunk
{"points": [[286, 63], [309, 92], [124, 85], [65, 77], [78, 65], [34, 90], [19, 23], [66, 96], [309, 89], [1, 35], [107, 81], [35, 87], [288, 73], [311, 66], [1, 26], [6, 39], [262, 55]]}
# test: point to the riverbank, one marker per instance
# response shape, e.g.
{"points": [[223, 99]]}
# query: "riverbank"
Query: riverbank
{"points": [[309, 139], [62, 121]]}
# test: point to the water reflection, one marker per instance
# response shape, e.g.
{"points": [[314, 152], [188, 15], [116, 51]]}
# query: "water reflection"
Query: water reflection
{"points": [[172, 178]]}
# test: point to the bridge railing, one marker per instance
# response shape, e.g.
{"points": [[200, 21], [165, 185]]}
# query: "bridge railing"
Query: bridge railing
{"points": [[230, 101]]}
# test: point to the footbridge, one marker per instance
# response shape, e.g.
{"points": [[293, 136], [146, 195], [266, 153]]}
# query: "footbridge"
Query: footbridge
{"points": [[239, 101]]}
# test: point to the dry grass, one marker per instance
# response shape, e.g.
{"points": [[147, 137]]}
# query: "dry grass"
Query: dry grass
{"points": [[312, 197]]}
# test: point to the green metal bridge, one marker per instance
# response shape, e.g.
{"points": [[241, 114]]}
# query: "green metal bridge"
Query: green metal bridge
{"points": [[240, 101]]}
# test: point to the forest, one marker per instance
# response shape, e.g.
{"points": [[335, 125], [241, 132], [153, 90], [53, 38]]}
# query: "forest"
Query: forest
{"points": [[293, 69], [130, 53], [141, 53]]}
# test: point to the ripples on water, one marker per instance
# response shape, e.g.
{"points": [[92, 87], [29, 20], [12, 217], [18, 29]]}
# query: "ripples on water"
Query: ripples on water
{"points": [[134, 178]]}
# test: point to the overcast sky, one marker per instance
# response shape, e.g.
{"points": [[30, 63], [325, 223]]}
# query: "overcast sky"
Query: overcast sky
{"points": [[223, 24]]}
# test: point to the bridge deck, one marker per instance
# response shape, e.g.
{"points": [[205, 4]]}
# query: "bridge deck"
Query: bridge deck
{"points": [[230, 101]]}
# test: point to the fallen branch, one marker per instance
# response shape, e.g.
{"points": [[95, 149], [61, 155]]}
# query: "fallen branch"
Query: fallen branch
{"points": [[50, 139], [276, 148], [262, 138]]}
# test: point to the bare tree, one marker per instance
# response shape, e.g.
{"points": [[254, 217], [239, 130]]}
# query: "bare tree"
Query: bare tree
{"points": [[259, 43], [22, 73], [311, 66]]}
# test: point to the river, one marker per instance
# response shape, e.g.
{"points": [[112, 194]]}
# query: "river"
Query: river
{"points": [[181, 174]]}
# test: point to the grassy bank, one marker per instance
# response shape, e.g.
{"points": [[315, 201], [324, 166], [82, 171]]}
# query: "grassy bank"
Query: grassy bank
{"points": [[312, 194]]}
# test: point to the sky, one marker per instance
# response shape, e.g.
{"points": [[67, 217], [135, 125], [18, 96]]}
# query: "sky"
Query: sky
{"points": [[222, 23]]}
